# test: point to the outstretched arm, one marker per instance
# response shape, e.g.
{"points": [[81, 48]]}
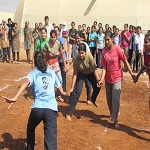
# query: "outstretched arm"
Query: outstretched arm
{"points": [[11, 101]]}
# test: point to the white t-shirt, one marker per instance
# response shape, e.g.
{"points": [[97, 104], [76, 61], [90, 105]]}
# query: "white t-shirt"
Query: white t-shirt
{"points": [[49, 27]]}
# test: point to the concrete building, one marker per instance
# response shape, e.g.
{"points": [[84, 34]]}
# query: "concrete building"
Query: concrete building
{"points": [[116, 12]]}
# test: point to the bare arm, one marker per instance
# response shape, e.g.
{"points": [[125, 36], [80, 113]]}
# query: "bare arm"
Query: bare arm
{"points": [[22, 87], [73, 80]]}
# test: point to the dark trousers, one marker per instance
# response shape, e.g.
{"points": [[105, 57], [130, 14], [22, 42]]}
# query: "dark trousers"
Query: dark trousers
{"points": [[92, 50], [63, 74], [98, 58], [131, 57], [74, 97], [88, 89], [138, 60], [49, 118], [28, 55], [6, 54], [14, 56]]}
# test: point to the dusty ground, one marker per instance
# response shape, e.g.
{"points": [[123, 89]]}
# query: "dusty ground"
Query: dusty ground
{"points": [[90, 130]]}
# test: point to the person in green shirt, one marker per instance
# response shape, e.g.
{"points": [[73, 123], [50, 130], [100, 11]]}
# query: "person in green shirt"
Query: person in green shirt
{"points": [[40, 43]]}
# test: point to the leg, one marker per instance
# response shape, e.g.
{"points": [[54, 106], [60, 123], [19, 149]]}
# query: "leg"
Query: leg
{"points": [[88, 89], [96, 90], [28, 55], [74, 97], [98, 58], [8, 54], [108, 87], [13, 55], [61, 65], [116, 91], [4, 54], [58, 74], [18, 59], [69, 51], [50, 129], [36, 116], [92, 49]]}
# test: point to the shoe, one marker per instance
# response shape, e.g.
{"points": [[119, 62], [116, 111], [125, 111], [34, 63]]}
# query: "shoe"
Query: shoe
{"points": [[68, 117], [60, 99]]}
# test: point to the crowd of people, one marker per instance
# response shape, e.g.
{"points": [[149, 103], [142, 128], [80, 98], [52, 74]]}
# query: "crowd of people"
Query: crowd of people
{"points": [[86, 49]]}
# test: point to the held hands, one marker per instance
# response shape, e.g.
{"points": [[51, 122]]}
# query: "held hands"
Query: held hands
{"points": [[99, 83], [70, 91], [135, 78], [10, 101]]}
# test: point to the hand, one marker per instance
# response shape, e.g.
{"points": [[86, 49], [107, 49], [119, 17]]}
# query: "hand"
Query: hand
{"points": [[57, 53], [134, 77], [70, 91], [97, 51], [10, 101], [99, 83]]}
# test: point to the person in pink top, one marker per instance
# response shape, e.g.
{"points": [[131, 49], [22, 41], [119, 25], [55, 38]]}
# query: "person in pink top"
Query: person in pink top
{"points": [[112, 73], [125, 41]]}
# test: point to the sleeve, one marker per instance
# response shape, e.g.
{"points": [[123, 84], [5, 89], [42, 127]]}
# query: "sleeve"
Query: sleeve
{"points": [[92, 61], [57, 82], [30, 76], [103, 63], [121, 54]]}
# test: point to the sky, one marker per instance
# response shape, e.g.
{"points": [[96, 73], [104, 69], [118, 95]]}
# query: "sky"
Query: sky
{"points": [[8, 5]]}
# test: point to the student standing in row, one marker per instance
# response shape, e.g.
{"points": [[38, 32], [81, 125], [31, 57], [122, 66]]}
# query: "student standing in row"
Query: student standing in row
{"points": [[112, 75], [27, 40], [93, 41], [100, 46], [16, 43]]}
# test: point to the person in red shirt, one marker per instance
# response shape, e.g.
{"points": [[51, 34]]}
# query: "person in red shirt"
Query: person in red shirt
{"points": [[112, 73], [146, 58]]}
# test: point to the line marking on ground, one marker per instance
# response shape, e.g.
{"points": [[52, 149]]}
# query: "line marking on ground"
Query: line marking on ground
{"points": [[19, 79], [16, 80], [99, 148], [105, 130], [4, 87]]}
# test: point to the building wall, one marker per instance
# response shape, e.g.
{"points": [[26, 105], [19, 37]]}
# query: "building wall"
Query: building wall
{"points": [[113, 12]]}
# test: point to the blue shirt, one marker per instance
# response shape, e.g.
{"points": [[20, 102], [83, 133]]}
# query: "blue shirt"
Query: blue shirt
{"points": [[43, 85], [94, 37], [62, 41], [100, 41]]}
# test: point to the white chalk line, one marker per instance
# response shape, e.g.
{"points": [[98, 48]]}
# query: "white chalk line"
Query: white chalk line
{"points": [[17, 80], [105, 130], [4, 87]]}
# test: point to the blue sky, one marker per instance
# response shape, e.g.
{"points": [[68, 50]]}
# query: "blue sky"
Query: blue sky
{"points": [[8, 5]]}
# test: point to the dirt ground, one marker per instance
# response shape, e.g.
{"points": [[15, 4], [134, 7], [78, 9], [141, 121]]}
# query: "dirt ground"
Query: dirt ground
{"points": [[90, 129]]}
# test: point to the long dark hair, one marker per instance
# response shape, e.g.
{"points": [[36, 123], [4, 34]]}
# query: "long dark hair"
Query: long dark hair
{"points": [[39, 61]]}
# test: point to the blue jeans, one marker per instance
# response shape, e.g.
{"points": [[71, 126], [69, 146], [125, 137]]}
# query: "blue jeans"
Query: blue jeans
{"points": [[58, 74]]}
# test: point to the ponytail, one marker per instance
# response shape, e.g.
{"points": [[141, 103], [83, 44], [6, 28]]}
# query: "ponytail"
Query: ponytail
{"points": [[39, 61]]}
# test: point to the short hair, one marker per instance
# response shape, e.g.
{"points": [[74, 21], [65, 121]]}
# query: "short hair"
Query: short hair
{"points": [[72, 22], [126, 25], [46, 17], [138, 27]]}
